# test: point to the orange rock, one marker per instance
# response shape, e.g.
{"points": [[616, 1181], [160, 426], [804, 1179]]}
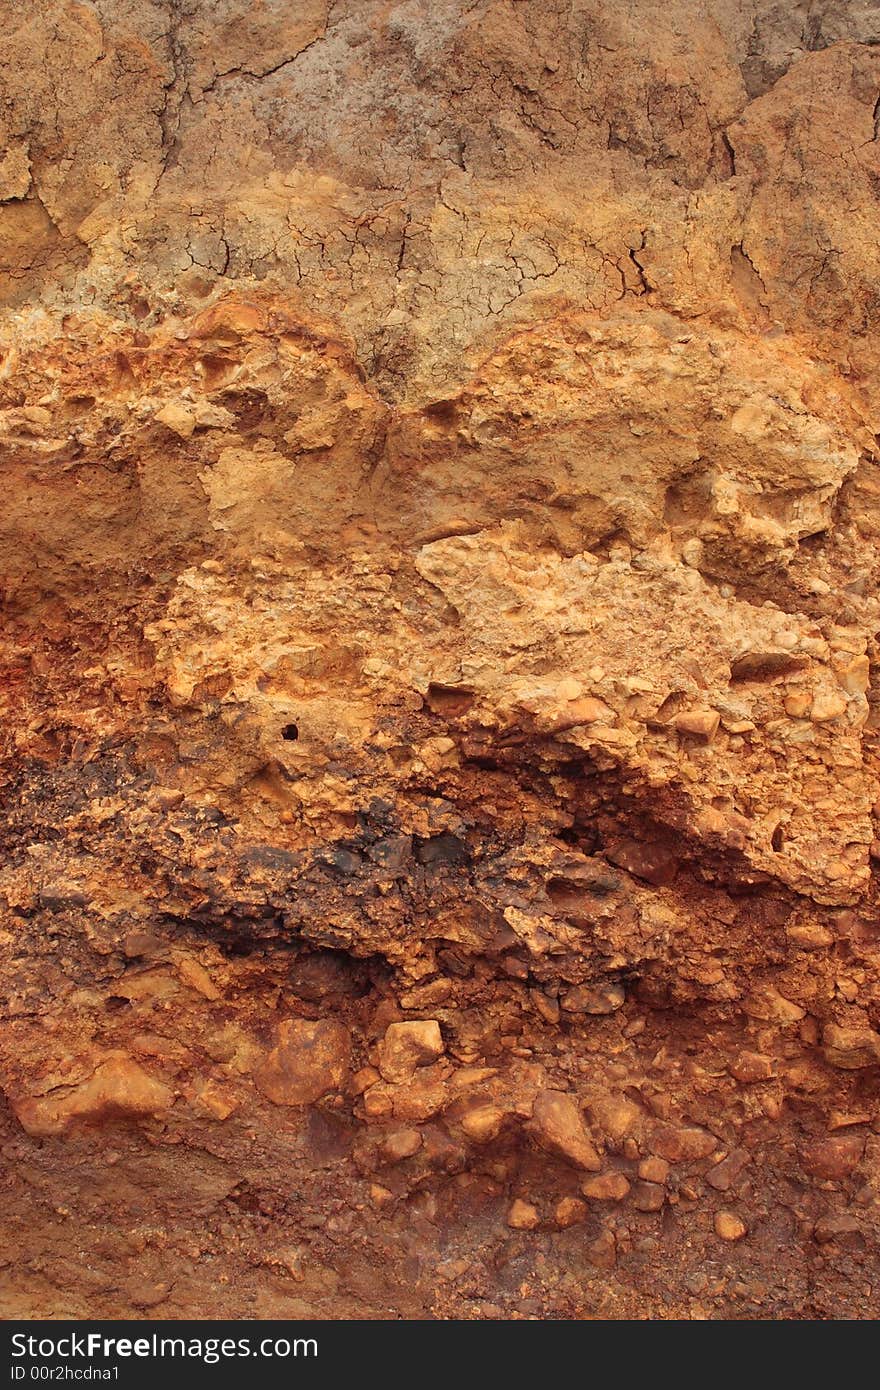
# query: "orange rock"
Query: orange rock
{"points": [[522, 1216], [570, 1211], [606, 1187], [308, 1060], [833, 1158], [406, 1046], [118, 1089], [684, 1144], [558, 1126]]}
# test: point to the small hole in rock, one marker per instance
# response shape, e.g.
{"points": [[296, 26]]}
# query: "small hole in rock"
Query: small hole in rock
{"points": [[776, 839], [290, 732]]}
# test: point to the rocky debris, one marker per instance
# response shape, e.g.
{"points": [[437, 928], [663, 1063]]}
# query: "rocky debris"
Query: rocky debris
{"points": [[439, 660], [308, 1060]]}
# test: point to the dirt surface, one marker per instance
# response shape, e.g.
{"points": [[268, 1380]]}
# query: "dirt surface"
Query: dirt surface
{"points": [[439, 739]]}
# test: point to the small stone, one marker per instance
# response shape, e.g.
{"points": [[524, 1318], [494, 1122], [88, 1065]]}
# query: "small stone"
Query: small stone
{"points": [[606, 1187], [692, 551], [557, 1125], [698, 723], [724, 1174], [401, 1144], [843, 1119], [654, 1169], [308, 1060], [483, 1123], [770, 1006], [380, 1196], [685, 1144], [546, 1005], [193, 974], [797, 704], [584, 710], [216, 1101], [810, 936], [616, 1116], [406, 1046], [833, 1158], [648, 1196], [827, 705], [651, 862], [377, 1102], [364, 1079], [522, 1216], [602, 1252], [855, 677], [835, 1226], [570, 1211], [586, 999], [850, 1048], [749, 1067], [176, 418], [729, 1226]]}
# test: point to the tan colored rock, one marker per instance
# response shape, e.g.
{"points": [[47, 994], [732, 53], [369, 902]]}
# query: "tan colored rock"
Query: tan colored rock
{"points": [[602, 1252], [558, 1126], [407, 1046], [833, 1158], [729, 1226], [698, 723], [483, 1123], [194, 974], [751, 1067], [118, 1089], [308, 1060], [176, 418], [522, 1215], [570, 1211], [851, 1049], [809, 936], [589, 999], [826, 706], [401, 1144], [648, 1196], [617, 1117], [606, 1187], [683, 1144], [725, 1173], [654, 1169]]}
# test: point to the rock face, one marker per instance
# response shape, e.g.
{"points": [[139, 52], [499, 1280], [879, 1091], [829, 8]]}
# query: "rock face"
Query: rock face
{"points": [[439, 741]]}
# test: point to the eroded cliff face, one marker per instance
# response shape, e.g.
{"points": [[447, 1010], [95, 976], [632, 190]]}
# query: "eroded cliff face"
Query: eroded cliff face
{"points": [[438, 544]]}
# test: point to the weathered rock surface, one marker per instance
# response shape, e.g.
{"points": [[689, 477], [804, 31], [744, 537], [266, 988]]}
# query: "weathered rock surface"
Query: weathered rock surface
{"points": [[439, 702]]}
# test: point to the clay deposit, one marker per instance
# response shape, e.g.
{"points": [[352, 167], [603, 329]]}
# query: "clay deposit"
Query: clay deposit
{"points": [[440, 700]]}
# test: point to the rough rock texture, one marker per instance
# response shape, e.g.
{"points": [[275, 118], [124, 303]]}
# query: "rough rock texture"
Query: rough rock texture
{"points": [[440, 696]]}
